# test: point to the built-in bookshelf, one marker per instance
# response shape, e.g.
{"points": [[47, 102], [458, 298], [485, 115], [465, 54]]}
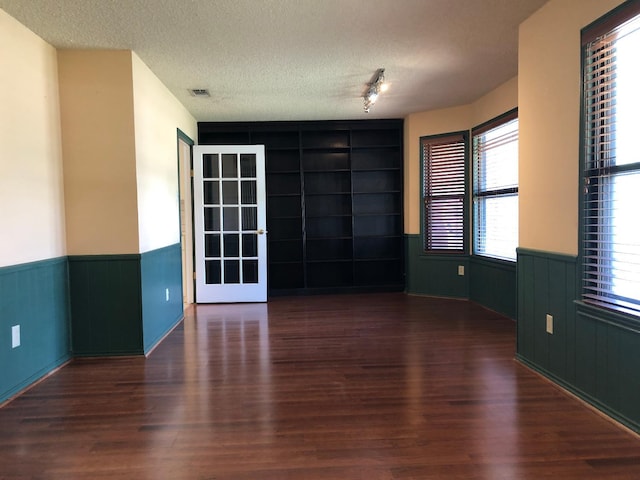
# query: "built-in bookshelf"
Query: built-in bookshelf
{"points": [[334, 202]]}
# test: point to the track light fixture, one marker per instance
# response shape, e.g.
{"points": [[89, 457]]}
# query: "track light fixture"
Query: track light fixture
{"points": [[375, 87]]}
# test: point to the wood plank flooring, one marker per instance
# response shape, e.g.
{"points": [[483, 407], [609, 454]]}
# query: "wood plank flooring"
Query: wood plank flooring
{"points": [[375, 387]]}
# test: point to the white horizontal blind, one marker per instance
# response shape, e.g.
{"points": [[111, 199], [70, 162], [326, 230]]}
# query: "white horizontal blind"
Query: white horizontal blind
{"points": [[611, 175], [444, 192], [495, 189]]}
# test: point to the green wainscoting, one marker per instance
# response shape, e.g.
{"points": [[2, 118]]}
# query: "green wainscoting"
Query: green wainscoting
{"points": [[592, 352], [106, 305], [437, 275], [161, 273], [34, 296], [119, 303], [547, 285], [492, 283], [608, 362]]}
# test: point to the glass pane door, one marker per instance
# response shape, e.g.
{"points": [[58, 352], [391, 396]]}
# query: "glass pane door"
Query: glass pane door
{"points": [[230, 231]]}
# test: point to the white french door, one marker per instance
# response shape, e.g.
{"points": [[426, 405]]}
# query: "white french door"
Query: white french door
{"points": [[230, 223]]}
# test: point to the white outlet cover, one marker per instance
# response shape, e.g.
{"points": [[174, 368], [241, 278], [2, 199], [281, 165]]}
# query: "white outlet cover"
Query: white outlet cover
{"points": [[15, 336], [460, 270], [550, 324], [166, 294]]}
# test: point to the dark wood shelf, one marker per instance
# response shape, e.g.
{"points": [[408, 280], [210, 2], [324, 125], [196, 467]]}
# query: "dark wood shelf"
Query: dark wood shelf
{"points": [[329, 215], [334, 202], [320, 194], [355, 148], [275, 195], [385, 169]]}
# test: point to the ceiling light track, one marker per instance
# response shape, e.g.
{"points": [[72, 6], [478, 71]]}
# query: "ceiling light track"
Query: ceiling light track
{"points": [[374, 89]]}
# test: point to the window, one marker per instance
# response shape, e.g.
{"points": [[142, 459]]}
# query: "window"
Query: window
{"points": [[611, 161], [495, 187], [444, 192]]}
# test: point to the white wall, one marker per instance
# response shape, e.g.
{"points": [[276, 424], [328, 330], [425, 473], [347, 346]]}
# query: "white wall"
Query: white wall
{"points": [[31, 185], [158, 115]]}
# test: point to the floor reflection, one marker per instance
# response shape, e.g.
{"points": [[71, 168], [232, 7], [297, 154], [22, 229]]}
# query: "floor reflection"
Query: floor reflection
{"points": [[384, 386], [233, 355]]}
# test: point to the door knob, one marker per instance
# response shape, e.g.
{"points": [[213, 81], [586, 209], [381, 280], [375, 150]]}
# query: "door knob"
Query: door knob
{"points": [[261, 231]]}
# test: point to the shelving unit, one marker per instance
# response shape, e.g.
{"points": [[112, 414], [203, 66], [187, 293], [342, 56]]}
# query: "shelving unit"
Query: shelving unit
{"points": [[334, 202]]}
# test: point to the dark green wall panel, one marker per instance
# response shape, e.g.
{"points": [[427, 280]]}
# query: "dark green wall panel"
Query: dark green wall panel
{"points": [[540, 309], [592, 352], [609, 346], [492, 283], [161, 271], [435, 275], [106, 306], [546, 285], [628, 368], [586, 344], [36, 297], [85, 306], [526, 303], [488, 282]]}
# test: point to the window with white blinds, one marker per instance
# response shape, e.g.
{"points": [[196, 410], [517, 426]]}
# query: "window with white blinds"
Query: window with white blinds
{"points": [[611, 165], [495, 187], [444, 192]]}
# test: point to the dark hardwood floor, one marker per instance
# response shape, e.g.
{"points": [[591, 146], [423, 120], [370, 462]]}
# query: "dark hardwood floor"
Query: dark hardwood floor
{"points": [[383, 386]]}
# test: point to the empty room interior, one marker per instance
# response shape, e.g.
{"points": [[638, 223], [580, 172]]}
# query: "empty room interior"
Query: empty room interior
{"points": [[292, 239]]}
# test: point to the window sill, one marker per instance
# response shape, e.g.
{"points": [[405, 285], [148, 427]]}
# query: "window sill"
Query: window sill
{"points": [[618, 317], [493, 260]]}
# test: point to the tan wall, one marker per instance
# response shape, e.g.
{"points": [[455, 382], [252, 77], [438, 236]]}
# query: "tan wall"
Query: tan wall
{"points": [[158, 115], [549, 113], [31, 187], [98, 141], [418, 125], [494, 103]]}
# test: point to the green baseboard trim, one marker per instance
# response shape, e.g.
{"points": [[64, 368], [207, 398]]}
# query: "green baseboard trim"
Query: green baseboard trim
{"points": [[24, 384], [585, 397]]}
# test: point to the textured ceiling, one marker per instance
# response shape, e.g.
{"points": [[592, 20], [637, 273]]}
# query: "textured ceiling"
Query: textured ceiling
{"points": [[298, 59]]}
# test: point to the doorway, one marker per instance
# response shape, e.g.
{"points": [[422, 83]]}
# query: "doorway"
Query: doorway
{"points": [[185, 163], [230, 223]]}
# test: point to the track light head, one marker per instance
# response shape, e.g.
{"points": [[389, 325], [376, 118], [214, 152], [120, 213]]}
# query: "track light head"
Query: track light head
{"points": [[374, 88]]}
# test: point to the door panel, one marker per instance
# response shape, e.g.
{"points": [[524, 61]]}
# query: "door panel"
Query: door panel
{"points": [[230, 224]]}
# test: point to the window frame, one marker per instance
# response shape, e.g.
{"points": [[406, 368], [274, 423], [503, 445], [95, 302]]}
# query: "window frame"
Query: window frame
{"points": [[456, 137], [588, 195], [487, 126]]}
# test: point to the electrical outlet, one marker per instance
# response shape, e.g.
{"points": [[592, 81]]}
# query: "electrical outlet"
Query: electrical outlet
{"points": [[550, 324], [166, 294], [15, 336], [461, 270]]}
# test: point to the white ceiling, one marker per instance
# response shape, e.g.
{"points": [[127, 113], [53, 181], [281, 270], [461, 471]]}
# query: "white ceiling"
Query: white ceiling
{"points": [[299, 59]]}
